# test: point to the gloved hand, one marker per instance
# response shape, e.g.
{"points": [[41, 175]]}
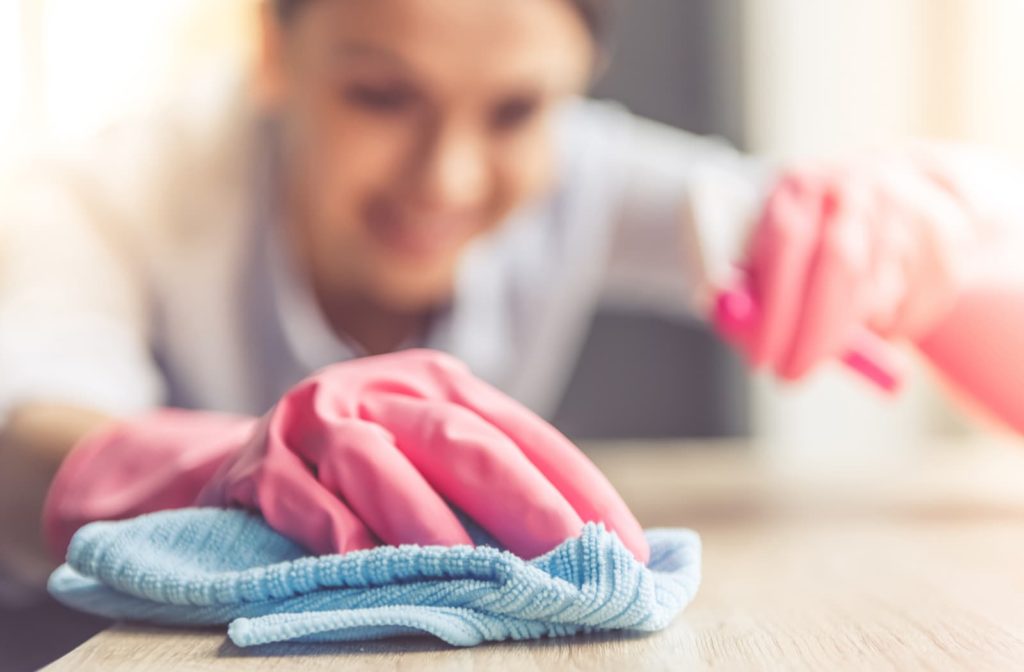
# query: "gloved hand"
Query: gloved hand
{"points": [[886, 244], [124, 469], [367, 451]]}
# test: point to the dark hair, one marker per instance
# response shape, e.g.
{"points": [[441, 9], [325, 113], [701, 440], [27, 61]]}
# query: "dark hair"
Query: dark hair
{"points": [[595, 14]]}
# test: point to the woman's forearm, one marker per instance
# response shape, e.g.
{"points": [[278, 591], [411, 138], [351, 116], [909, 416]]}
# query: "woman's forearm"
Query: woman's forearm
{"points": [[34, 441]]}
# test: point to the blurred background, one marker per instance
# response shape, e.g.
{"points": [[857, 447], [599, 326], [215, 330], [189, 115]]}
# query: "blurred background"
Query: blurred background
{"points": [[783, 78]]}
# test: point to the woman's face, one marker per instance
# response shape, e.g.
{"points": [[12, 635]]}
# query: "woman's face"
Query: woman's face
{"points": [[412, 126]]}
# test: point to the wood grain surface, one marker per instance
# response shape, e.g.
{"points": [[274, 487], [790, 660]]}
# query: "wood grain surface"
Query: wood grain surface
{"points": [[911, 563]]}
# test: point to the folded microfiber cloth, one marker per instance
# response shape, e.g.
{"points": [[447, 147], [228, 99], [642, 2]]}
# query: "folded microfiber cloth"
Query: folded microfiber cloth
{"points": [[215, 566]]}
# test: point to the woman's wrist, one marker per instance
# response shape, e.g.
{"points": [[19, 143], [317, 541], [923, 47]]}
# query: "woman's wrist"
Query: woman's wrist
{"points": [[33, 443]]}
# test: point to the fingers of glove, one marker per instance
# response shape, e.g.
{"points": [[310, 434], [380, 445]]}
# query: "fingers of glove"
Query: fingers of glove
{"points": [[780, 258], [480, 470], [944, 239], [941, 239], [359, 462], [556, 458], [923, 304], [832, 304], [427, 374], [416, 372], [295, 504], [276, 482], [889, 274], [735, 317]]}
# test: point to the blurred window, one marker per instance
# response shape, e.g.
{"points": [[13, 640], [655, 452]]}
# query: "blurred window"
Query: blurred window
{"points": [[70, 67]]}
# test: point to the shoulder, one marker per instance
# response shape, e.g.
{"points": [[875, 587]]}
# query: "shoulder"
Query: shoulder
{"points": [[137, 175], [583, 127]]}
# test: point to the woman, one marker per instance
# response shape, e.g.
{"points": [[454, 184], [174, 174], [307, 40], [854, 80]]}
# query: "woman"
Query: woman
{"points": [[412, 173]]}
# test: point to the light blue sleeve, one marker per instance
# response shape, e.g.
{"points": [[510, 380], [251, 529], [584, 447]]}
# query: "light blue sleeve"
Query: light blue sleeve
{"points": [[654, 170]]}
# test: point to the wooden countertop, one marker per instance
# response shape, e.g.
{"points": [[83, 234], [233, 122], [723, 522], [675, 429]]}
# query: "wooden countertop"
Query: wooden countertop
{"points": [[908, 563]]}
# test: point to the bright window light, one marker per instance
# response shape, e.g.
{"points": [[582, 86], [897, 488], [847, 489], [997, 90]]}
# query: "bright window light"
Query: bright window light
{"points": [[11, 67]]}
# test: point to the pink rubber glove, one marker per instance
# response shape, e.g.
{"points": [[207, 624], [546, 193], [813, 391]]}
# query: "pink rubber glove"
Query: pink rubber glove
{"points": [[979, 344], [363, 452], [923, 246], [125, 469], [881, 245], [979, 347]]}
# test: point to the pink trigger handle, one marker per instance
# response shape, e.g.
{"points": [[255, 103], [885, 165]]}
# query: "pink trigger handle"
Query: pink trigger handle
{"points": [[868, 354]]}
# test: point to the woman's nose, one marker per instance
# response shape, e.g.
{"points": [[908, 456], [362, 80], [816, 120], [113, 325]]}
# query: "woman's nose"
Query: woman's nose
{"points": [[452, 170]]}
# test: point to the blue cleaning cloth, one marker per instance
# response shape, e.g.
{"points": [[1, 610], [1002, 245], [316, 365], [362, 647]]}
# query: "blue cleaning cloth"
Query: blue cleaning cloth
{"points": [[203, 567]]}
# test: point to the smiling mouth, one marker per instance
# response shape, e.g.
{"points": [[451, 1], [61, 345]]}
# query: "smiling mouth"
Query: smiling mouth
{"points": [[419, 238]]}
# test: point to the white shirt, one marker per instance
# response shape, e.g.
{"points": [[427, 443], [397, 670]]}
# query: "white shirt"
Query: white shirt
{"points": [[148, 270]]}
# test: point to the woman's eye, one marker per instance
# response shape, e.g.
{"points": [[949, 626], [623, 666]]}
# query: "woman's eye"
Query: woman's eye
{"points": [[514, 113], [386, 99]]}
